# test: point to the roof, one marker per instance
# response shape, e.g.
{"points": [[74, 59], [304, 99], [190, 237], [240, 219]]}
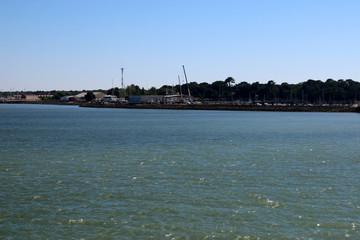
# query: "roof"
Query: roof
{"points": [[80, 95], [99, 94], [170, 96]]}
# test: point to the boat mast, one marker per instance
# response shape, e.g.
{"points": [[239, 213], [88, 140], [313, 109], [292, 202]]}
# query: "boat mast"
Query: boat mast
{"points": [[187, 83], [112, 86], [122, 82]]}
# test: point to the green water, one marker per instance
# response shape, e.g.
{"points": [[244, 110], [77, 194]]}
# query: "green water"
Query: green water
{"points": [[80, 173]]}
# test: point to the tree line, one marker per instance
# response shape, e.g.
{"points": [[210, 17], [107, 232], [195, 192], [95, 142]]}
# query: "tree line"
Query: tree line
{"points": [[312, 91]]}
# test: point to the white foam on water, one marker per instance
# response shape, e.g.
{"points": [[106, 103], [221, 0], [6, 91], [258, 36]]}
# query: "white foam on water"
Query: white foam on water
{"points": [[76, 221]]}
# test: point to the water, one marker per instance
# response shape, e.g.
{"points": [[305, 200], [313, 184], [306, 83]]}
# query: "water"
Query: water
{"points": [[81, 173]]}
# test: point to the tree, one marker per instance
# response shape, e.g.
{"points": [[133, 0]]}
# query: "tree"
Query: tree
{"points": [[218, 87], [229, 81], [89, 96], [114, 91], [60, 94], [152, 91], [133, 90], [272, 90], [242, 90]]}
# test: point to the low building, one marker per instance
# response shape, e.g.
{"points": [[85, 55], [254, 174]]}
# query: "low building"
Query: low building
{"points": [[99, 95], [171, 99], [110, 98], [11, 98], [80, 97], [177, 98], [46, 96], [156, 99], [148, 99], [18, 96], [31, 97], [67, 98]]}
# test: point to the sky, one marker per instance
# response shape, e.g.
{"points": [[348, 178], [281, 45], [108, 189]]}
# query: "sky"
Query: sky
{"points": [[83, 44]]}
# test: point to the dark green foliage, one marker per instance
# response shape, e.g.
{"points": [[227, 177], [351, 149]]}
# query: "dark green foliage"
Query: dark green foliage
{"points": [[89, 96], [114, 91], [312, 91], [60, 94], [152, 91], [132, 90]]}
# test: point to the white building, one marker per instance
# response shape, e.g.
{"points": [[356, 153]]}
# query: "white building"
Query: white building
{"points": [[110, 98]]}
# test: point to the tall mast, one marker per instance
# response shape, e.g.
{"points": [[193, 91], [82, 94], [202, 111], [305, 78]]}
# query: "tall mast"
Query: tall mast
{"points": [[112, 86], [122, 81], [181, 96], [187, 83]]}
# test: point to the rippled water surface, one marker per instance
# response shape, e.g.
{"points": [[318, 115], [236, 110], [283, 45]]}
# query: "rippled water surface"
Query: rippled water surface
{"points": [[81, 173]]}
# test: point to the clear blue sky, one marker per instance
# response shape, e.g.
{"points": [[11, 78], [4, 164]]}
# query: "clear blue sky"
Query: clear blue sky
{"points": [[82, 44]]}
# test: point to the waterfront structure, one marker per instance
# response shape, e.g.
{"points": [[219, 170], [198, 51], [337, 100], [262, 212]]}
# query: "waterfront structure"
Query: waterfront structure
{"points": [[31, 97], [81, 96], [175, 98], [99, 96], [67, 98], [149, 99], [157, 99], [110, 98]]}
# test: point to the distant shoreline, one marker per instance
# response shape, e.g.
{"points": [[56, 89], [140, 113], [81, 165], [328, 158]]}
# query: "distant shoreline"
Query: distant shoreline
{"points": [[221, 107], [228, 107]]}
